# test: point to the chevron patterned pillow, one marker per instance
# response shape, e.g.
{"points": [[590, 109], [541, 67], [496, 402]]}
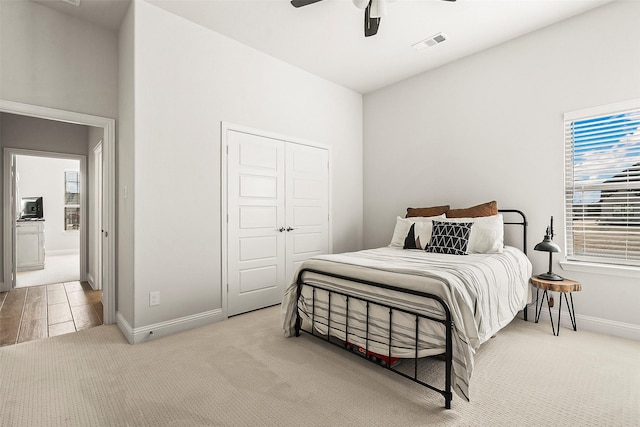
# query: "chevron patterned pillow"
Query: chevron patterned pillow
{"points": [[450, 238]]}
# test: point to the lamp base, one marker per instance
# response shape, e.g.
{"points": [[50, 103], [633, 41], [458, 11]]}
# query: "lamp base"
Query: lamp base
{"points": [[550, 276]]}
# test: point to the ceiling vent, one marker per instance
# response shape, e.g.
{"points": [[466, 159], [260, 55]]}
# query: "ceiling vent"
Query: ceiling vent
{"points": [[73, 2], [430, 42]]}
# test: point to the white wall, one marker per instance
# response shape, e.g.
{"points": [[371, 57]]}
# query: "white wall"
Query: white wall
{"points": [[44, 176], [54, 60], [489, 126], [187, 80]]}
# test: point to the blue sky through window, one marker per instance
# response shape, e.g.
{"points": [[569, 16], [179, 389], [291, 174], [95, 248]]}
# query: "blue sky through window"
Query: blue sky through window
{"points": [[603, 147]]}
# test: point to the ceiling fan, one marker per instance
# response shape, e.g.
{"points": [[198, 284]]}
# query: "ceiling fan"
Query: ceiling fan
{"points": [[373, 11]]}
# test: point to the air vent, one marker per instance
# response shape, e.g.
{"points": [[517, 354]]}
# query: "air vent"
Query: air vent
{"points": [[73, 2], [430, 42]]}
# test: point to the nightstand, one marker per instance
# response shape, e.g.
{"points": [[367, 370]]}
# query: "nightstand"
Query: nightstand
{"points": [[566, 286]]}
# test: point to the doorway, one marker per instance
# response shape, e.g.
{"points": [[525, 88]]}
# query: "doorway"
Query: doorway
{"points": [[48, 198], [107, 230]]}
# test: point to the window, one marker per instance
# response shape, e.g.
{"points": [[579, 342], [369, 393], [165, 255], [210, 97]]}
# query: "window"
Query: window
{"points": [[71, 200], [602, 184]]}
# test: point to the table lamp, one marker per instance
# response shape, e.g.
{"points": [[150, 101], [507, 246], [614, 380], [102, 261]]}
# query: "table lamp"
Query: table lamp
{"points": [[547, 245]]}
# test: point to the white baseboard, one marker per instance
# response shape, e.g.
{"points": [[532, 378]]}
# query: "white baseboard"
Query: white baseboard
{"points": [[157, 330], [588, 323], [62, 252]]}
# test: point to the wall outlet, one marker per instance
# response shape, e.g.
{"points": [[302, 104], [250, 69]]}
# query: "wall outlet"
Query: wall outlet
{"points": [[154, 298]]}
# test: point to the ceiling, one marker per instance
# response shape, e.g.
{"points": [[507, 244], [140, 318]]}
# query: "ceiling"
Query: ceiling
{"points": [[105, 13], [326, 38]]}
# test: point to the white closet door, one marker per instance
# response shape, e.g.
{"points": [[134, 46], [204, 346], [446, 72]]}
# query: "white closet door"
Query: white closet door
{"points": [[256, 213], [307, 204]]}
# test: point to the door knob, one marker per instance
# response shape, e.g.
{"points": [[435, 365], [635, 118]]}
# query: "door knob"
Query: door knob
{"points": [[290, 229], [281, 229]]}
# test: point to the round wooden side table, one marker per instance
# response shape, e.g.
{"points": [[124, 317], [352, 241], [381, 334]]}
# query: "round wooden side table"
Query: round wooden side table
{"points": [[566, 286]]}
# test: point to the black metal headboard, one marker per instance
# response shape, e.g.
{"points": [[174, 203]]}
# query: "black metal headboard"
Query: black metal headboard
{"points": [[523, 223]]}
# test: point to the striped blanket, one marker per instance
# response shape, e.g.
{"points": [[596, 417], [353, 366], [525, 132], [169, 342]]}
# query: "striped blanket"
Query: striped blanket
{"points": [[484, 292]]}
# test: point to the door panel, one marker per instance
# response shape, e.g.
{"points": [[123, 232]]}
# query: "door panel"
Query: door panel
{"points": [[255, 279], [260, 187], [308, 215], [257, 248], [258, 217], [307, 204], [256, 212], [305, 243]]}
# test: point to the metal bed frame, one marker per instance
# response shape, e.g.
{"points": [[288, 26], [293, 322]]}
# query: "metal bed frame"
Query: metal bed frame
{"points": [[447, 322]]}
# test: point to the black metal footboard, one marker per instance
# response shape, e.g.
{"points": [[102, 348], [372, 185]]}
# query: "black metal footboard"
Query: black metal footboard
{"points": [[447, 322]]}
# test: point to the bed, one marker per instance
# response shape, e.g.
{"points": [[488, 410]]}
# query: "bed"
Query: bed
{"points": [[399, 307]]}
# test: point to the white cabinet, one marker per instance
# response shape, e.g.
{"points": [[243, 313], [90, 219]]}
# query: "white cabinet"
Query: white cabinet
{"points": [[278, 215], [29, 245]]}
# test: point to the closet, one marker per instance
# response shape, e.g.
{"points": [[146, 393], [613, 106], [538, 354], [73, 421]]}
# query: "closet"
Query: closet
{"points": [[277, 214]]}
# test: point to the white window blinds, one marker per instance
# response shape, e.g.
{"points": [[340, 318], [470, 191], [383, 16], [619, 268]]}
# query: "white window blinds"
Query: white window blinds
{"points": [[602, 184]]}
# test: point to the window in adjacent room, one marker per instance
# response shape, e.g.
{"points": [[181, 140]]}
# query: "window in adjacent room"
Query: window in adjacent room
{"points": [[72, 200], [602, 184]]}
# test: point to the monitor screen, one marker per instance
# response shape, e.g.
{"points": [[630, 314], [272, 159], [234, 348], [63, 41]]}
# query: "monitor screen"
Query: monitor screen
{"points": [[32, 207]]}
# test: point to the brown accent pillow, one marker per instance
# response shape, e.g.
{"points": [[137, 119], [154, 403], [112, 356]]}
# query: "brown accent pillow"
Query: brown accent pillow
{"points": [[431, 211], [485, 209]]}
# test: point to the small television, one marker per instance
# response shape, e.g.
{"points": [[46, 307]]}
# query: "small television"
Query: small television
{"points": [[32, 208]]}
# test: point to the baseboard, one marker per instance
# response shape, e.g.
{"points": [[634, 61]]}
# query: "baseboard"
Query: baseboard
{"points": [[157, 330], [589, 323], [62, 252]]}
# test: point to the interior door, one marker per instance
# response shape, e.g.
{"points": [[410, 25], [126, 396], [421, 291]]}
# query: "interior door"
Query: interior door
{"points": [[307, 204], [256, 221]]}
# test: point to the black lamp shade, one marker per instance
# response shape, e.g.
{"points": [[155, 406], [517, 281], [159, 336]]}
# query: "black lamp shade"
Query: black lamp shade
{"points": [[547, 245]]}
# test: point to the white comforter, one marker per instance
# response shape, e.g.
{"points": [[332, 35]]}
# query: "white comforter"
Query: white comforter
{"points": [[484, 292]]}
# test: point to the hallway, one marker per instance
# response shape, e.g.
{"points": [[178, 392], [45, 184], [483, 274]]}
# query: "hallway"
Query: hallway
{"points": [[36, 312]]}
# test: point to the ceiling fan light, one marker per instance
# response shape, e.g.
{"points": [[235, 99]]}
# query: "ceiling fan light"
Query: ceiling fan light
{"points": [[361, 4]]}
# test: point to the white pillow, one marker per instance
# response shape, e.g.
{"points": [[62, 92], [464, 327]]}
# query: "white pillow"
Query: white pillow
{"points": [[487, 234], [404, 224]]}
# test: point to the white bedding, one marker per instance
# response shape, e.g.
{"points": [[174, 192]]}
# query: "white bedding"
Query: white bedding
{"points": [[483, 291]]}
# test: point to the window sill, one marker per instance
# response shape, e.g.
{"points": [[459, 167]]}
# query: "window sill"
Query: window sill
{"points": [[610, 270]]}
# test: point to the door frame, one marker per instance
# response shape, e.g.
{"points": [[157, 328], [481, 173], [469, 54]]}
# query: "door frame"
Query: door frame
{"points": [[225, 127], [108, 196], [9, 219], [96, 227]]}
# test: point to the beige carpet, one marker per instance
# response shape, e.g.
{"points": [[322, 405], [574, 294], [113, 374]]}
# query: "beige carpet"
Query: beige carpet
{"points": [[243, 372]]}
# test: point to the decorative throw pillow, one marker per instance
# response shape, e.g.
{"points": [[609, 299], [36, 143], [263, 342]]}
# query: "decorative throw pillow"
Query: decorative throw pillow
{"points": [[418, 236], [402, 228], [484, 209], [450, 238], [430, 211], [410, 240]]}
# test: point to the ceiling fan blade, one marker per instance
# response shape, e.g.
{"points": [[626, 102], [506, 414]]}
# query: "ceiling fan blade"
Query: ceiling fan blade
{"points": [[300, 3], [370, 24]]}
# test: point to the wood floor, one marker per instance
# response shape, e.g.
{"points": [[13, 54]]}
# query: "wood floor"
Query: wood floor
{"points": [[36, 312]]}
